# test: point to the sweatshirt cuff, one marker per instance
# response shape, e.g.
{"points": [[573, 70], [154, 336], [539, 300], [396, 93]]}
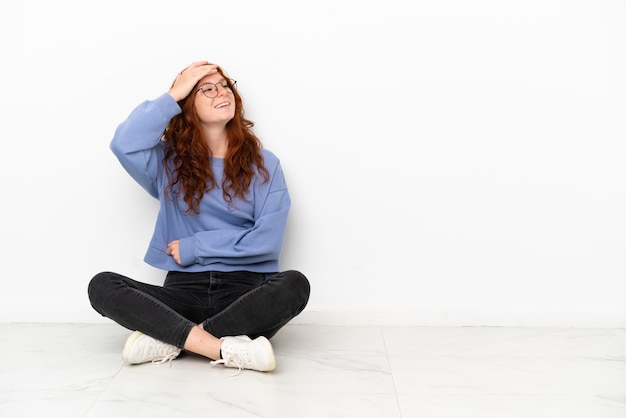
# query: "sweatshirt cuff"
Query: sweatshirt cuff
{"points": [[187, 251], [168, 105]]}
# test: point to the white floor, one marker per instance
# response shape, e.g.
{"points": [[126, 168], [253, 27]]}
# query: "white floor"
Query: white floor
{"points": [[72, 370]]}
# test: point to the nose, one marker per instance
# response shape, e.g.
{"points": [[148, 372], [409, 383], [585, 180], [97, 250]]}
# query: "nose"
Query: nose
{"points": [[220, 87]]}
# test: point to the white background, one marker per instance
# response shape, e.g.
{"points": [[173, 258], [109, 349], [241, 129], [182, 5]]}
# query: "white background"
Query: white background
{"points": [[450, 162]]}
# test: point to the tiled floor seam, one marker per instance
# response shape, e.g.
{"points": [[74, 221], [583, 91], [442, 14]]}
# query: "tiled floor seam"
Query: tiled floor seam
{"points": [[393, 380]]}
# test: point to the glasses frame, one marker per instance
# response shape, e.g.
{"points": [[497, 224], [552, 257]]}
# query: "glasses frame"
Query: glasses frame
{"points": [[231, 85]]}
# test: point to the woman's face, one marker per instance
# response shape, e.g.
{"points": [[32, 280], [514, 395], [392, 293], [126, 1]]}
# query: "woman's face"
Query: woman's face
{"points": [[215, 103]]}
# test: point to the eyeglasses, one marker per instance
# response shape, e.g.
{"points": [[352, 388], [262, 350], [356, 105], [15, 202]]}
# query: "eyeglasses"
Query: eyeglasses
{"points": [[210, 89]]}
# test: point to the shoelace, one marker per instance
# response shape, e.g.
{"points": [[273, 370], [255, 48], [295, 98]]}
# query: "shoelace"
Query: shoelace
{"points": [[232, 361], [167, 358]]}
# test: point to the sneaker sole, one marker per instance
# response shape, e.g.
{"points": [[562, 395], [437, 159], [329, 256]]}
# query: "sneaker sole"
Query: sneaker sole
{"points": [[270, 359], [129, 343]]}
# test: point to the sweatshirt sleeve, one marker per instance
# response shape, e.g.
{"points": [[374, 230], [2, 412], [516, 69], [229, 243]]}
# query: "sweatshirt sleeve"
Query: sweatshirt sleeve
{"points": [[262, 242], [137, 139]]}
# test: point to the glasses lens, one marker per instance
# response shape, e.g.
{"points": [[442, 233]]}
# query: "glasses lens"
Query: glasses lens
{"points": [[209, 90]]}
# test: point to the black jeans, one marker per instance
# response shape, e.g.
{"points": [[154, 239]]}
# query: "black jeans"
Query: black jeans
{"points": [[227, 304]]}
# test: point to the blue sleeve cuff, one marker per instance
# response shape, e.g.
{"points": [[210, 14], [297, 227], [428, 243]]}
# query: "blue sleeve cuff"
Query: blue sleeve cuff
{"points": [[187, 251]]}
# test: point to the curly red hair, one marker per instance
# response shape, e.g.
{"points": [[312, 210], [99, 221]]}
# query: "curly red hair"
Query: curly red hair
{"points": [[190, 170]]}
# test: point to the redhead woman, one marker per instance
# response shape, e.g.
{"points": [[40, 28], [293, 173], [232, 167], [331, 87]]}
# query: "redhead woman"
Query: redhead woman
{"points": [[218, 234]]}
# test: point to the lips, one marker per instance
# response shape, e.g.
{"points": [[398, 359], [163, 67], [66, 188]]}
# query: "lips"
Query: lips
{"points": [[221, 105]]}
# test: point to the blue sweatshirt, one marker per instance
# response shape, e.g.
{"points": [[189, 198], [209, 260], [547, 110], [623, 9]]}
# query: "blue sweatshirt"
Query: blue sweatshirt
{"points": [[247, 235]]}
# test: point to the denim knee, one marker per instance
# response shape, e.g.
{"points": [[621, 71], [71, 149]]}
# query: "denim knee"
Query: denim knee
{"points": [[300, 288], [98, 288]]}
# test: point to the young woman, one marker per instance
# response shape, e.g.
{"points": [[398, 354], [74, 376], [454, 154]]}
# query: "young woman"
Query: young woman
{"points": [[218, 234]]}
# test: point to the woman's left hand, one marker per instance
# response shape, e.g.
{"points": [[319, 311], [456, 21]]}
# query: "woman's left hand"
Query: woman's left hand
{"points": [[172, 249]]}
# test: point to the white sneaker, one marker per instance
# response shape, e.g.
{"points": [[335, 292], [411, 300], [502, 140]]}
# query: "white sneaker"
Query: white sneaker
{"points": [[140, 348], [243, 353]]}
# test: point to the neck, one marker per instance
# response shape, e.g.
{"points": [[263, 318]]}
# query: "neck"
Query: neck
{"points": [[217, 141]]}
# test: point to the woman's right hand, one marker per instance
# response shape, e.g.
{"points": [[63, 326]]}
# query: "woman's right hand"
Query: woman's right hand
{"points": [[189, 77]]}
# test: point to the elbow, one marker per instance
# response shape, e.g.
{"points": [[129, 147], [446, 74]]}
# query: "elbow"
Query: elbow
{"points": [[115, 147]]}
